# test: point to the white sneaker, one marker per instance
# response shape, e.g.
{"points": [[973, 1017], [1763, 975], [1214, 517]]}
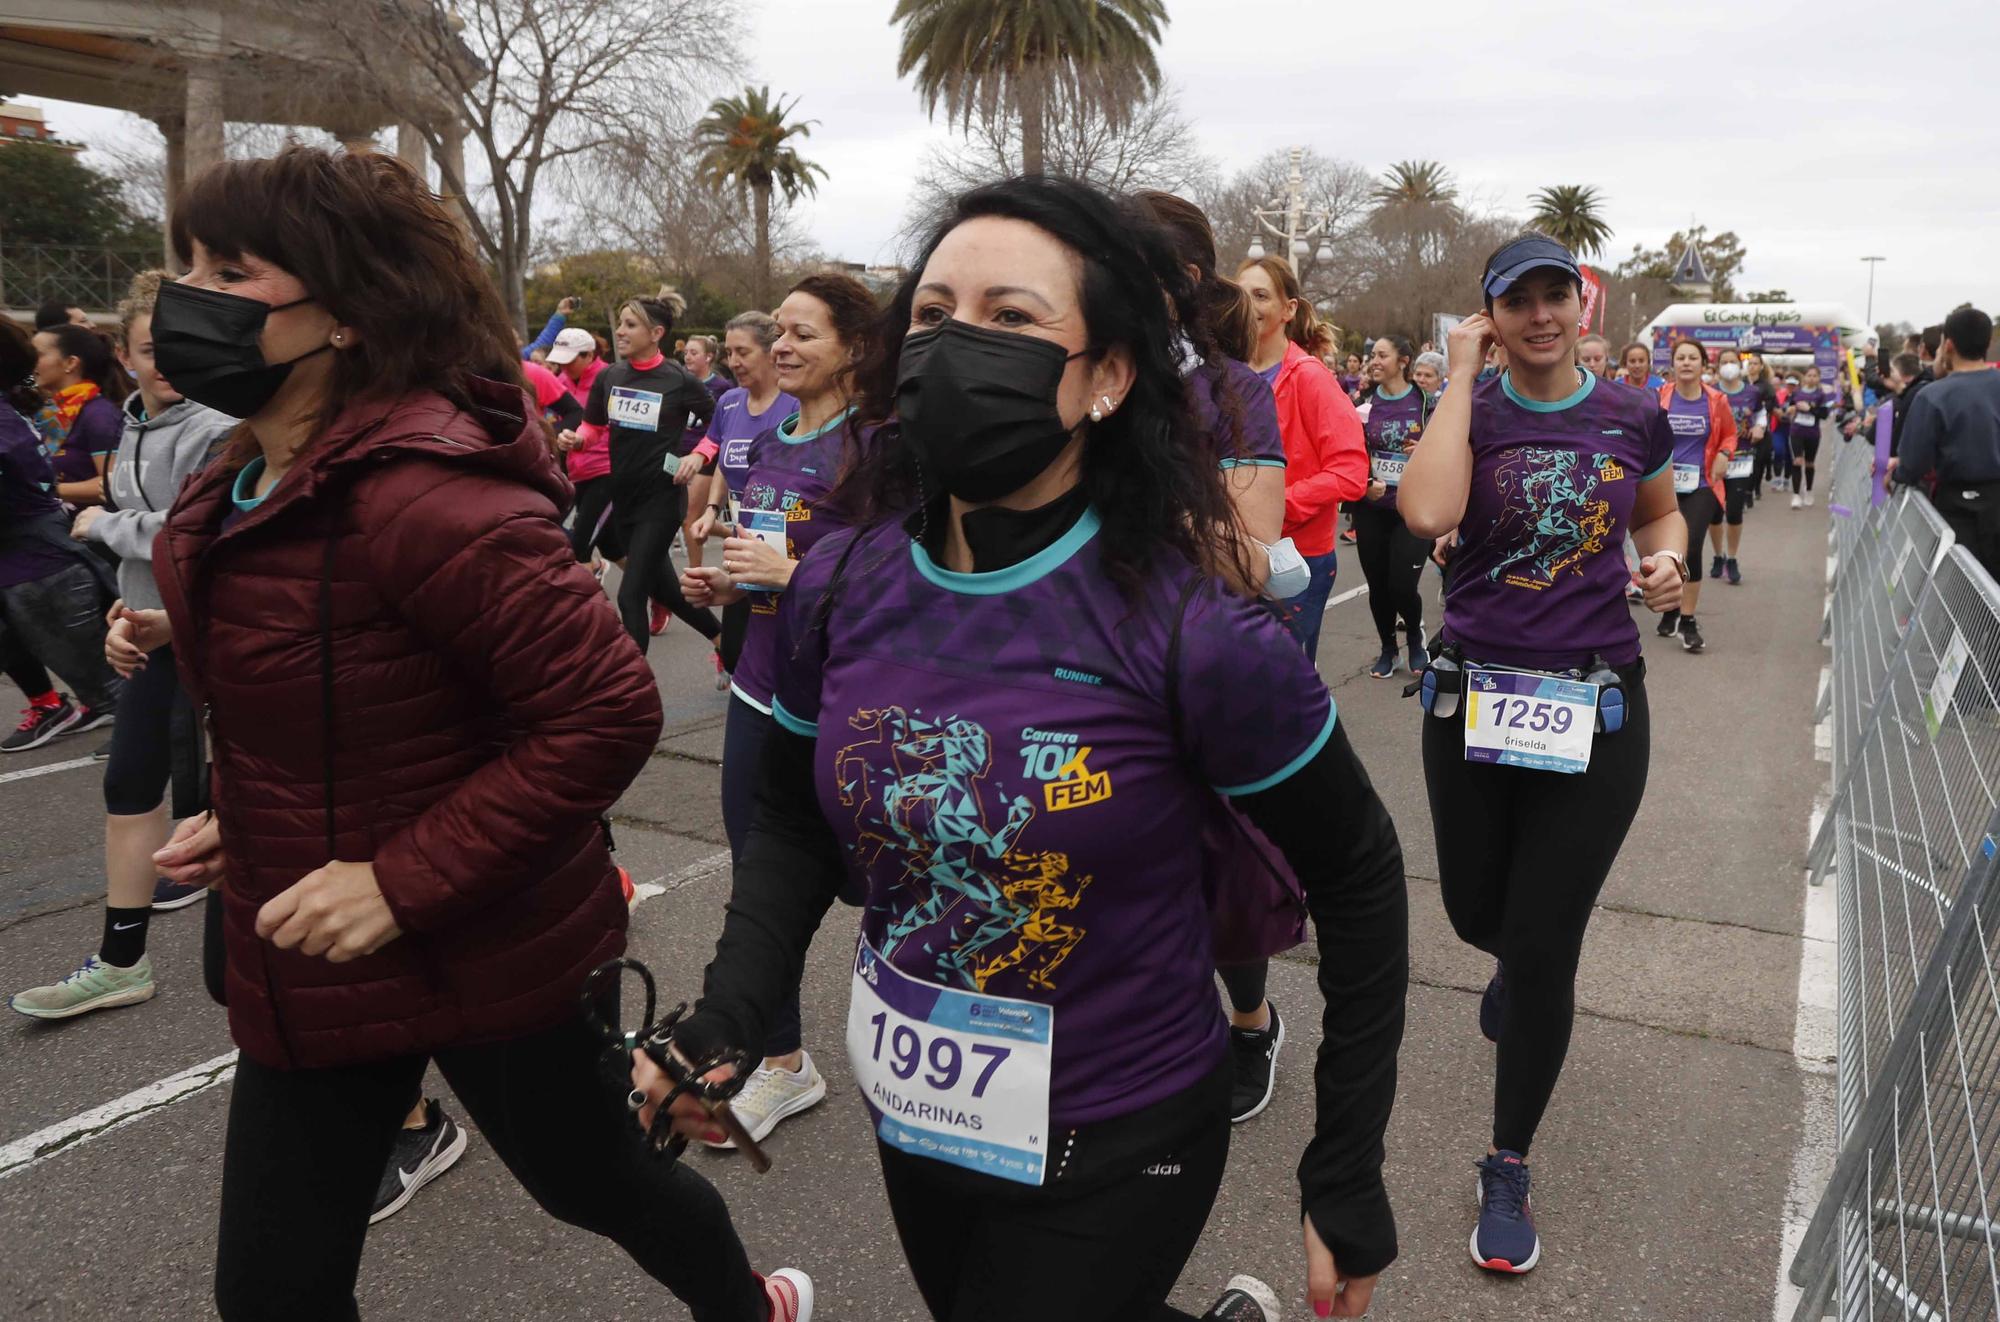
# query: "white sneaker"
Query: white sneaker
{"points": [[774, 1095], [1798, 502], [1808, 499], [1248, 1299], [789, 1291]]}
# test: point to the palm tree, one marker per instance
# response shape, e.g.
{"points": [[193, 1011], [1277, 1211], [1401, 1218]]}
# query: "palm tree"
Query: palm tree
{"points": [[1416, 202], [743, 139], [1568, 213], [1026, 56]]}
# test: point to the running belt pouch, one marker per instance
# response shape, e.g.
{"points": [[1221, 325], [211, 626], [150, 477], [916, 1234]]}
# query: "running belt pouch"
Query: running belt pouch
{"points": [[1256, 906]]}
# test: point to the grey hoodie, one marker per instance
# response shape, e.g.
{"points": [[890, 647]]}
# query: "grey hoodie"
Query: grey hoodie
{"points": [[155, 456]]}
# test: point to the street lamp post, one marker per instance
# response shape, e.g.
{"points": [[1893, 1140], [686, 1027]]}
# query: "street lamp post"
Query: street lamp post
{"points": [[1290, 219], [1873, 262]]}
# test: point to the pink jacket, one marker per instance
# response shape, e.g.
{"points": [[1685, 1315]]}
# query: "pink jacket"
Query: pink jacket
{"points": [[1326, 455], [593, 458]]}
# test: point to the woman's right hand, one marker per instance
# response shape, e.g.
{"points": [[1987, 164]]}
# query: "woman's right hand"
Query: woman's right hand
{"points": [[1467, 344], [705, 586], [690, 1117], [193, 856], [704, 524], [567, 440], [132, 635]]}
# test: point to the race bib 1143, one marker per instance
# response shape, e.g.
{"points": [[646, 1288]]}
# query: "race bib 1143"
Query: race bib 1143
{"points": [[637, 409]]}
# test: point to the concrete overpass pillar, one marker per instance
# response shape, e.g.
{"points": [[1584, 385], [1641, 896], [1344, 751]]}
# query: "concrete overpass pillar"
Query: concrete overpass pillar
{"points": [[413, 150], [202, 118], [451, 169]]}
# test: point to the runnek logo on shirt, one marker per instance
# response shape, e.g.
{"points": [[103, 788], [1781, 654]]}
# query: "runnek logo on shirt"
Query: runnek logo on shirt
{"points": [[1062, 767]]}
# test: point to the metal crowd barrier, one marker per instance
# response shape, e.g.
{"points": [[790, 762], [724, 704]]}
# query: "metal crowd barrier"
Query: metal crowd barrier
{"points": [[1906, 1228]]}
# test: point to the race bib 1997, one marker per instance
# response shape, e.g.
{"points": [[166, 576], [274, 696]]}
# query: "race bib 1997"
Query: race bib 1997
{"points": [[952, 1075]]}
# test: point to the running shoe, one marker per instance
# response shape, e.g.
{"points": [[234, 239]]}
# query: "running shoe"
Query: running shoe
{"points": [[1691, 639], [1492, 1002], [95, 986], [1254, 1052], [1670, 623], [1808, 500], [1633, 594], [1735, 574], [626, 888], [721, 675], [420, 1156], [774, 1095], [1244, 1299], [1798, 502], [1505, 1240], [93, 718], [1385, 664], [1420, 660], [1715, 566], [659, 618], [39, 724], [789, 1291], [102, 753], [173, 895], [1347, 535]]}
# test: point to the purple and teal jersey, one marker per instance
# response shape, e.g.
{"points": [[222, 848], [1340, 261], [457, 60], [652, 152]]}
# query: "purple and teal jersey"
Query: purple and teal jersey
{"points": [[788, 476], [1238, 414], [734, 427], [1688, 419], [998, 754], [1270, 374], [1807, 421], [1746, 405], [92, 436], [27, 498], [1394, 423], [1539, 579]]}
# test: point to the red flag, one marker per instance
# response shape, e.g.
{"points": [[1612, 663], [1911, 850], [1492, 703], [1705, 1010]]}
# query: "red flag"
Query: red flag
{"points": [[1593, 297]]}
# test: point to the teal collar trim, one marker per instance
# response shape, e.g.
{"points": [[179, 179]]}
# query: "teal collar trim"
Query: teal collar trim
{"points": [[246, 482], [1544, 406], [997, 581], [785, 427], [1385, 396]]}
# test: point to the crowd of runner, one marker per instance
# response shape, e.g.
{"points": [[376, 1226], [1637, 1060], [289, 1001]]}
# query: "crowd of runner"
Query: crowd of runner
{"points": [[1016, 589]]}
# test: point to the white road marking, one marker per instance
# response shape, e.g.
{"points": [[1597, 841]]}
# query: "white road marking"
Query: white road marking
{"points": [[1348, 595], [48, 770], [23, 1153]]}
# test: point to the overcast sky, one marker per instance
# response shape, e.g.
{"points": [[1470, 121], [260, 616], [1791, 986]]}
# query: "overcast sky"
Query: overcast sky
{"points": [[1819, 132]]}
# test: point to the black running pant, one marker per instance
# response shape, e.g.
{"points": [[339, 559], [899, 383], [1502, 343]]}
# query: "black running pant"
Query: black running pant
{"points": [[987, 1250], [1805, 453], [1392, 561], [735, 627], [588, 526], [743, 732], [1699, 510], [1739, 490], [650, 575], [142, 742], [306, 1149], [60, 620], [19, 665], [1972, 511], [1521, 857]]}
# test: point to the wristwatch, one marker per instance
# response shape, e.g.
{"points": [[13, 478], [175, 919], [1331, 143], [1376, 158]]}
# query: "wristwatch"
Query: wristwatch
{"points": [[1681, 560]]}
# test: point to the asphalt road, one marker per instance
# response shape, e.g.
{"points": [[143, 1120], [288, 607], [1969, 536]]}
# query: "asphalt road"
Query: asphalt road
{"points": [[1661, 1172]]}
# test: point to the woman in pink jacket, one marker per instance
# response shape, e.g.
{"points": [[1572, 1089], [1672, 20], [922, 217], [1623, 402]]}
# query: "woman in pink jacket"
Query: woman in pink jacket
{"points": [[1326, 457]]}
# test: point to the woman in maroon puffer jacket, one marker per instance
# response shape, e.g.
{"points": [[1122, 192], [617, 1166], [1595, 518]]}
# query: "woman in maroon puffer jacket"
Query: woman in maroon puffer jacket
{"points": [[406, 671]]}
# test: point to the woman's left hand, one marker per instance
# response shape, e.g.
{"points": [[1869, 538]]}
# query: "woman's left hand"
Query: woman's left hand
{"points": [[1377, 490], [1721, 468], [750, 562], [1345, 1296], [1659, 578], [688, 470], [86, 516], [337, 911]]}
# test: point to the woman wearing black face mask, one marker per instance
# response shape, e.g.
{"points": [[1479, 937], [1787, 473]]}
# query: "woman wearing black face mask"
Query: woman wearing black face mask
{"points": [[1008, 694], [419, 710]]}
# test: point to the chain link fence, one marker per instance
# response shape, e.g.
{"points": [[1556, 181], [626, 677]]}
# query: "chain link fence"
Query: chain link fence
{"points": [[1906, 1227], [32, 274]]}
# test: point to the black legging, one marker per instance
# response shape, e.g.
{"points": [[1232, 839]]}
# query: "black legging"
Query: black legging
{"points": [[1698, 509], [743, 734], [983, 1250], [1392, 561], [142, 745], [593, 497], [650, 576], [19, 664], [1739, 490], [1805, 453], [735, 624], [1521, 857], [306, 1149]]}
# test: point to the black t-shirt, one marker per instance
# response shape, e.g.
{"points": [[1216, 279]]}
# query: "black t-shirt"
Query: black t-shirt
{"points": [[648, 411]]}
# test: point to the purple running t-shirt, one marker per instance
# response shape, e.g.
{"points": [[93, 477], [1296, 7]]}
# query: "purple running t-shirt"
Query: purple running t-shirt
{"points": [[788, 474], [1393, 425], [997, 752], [734, 426], [1539, 581], [1689, 421], [1238, 413]]}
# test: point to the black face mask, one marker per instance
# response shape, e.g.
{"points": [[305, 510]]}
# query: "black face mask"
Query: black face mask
{"points": [[980, 407], [205, 345]]}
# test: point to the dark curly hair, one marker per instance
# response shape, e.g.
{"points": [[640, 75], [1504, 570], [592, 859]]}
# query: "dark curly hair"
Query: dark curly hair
{"points": [[17, 369], [1146, 468]]}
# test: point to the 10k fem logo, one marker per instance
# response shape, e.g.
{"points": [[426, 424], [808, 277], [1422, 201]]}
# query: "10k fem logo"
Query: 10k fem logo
{"points": [[1062, 767]]}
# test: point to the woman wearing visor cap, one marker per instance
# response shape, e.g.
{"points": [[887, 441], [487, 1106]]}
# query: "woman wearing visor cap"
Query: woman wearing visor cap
{"points": [[1536, 740]]}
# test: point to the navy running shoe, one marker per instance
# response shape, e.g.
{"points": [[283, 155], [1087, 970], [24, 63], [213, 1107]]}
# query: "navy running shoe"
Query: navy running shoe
{"points": [[1505, 1239], [1715, 567], [1385, 664], [1492, 1002], [1735, 574]]}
